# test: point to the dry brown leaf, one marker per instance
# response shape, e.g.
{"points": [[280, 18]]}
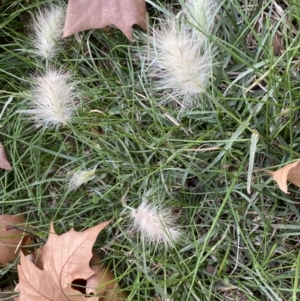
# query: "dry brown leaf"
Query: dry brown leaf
{"points": [[83, 15], [11, 240], [277, 44], [102, 284], [4, 164], [290, 172], [63, 259]]}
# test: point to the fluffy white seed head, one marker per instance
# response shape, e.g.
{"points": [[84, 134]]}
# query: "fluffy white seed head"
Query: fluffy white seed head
{"points": [[200, 13], [178, 61], [52, 99], [48, 27], [155, 225], [81, 177], [179, 54]]}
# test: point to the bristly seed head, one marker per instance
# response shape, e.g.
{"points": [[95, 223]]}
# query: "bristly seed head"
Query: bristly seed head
{"points": [[52, 99], [48, 27], [201, 13], [179, 55], [81, 177], [155, 225]]}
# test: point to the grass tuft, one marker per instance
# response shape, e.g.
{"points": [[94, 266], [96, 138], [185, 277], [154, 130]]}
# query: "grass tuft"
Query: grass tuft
{"points": [[235, 245]]}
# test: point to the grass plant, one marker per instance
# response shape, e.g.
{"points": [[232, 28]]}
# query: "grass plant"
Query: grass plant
{"points": [[235, 245]]}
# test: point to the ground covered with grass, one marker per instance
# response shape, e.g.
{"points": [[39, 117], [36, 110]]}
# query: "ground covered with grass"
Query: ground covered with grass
{"points": [[235, 245]]}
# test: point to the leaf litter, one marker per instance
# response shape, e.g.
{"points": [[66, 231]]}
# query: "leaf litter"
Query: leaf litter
{"points": [[52, 272], [290, 172], [4, 163], [100, 13], [12, 240]]}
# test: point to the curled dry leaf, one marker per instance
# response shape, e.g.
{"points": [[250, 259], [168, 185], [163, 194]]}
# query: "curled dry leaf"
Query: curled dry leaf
{"points": [[50, 272], [290, 172], [4, 164], [11, 241], [83, 15]]}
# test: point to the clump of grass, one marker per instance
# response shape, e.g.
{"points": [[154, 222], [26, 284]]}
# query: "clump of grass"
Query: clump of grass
{"points": [[234, 245]]}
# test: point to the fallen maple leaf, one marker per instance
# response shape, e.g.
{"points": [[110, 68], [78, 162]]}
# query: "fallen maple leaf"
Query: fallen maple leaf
{"points": [[101, 285], [83, 15], [4, 164], [11, 241], [49, 273], [290, 172]]}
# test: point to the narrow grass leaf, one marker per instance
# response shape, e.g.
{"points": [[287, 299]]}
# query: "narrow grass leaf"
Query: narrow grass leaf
{"points": [[254, 140]]}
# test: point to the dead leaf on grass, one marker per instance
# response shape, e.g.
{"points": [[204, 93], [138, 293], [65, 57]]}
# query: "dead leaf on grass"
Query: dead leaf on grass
{"points": [[52, 272], [11, 241], [290, 172], [4, 164], [83, 15], [277, 44]]}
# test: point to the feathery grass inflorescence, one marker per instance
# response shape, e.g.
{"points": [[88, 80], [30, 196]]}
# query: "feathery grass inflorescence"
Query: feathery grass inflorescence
{"points": [[155, 225], [47, 28], [178, 55], [200, 14], [52, 99], [81, 177], [200, 164]]}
